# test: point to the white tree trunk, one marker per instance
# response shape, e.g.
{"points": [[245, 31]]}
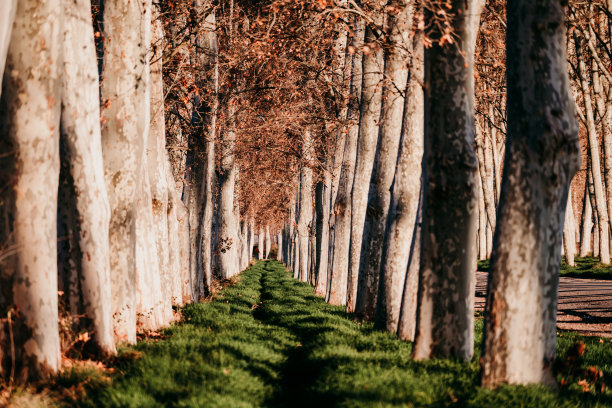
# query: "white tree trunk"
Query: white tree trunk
{"points": [[280, 252], [600, 199], [371, 97], [82, 133], [125, 118], [587, 224], [174, 245], [520, 327], [379, 197], [305, 213], [260, 243], [340, 228], [268, 242], [403, 209], [228, 241], [569, 231], [450, 205], [29, 128], [7, 16]]}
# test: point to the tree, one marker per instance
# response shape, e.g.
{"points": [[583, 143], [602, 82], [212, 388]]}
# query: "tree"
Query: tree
{"points": [[7, 16], [371, 97], [445, 320], [399, 25], [81, 133], [400, 252], [542, 155], [30, 119]]}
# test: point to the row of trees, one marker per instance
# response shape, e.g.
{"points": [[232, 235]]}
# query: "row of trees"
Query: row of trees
{"points": [[423, 189], [148, 147]]}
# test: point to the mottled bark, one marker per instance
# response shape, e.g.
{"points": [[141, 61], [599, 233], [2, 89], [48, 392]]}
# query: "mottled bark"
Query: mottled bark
{"points": [[482, 222], [370, 106], [174, 245], [81, 132], [125, 119], [390, 131], [445, 322], [483, 150], [403, 210], [29, 142], [228, 241], [261, 244], [340, 222], [542, 155], [279, 253]]}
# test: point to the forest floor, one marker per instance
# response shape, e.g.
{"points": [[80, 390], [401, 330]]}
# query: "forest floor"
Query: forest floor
{"points": [[268, 340]]}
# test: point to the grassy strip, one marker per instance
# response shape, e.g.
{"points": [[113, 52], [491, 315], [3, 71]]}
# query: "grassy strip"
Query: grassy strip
{"points": [[268, 341], [586, 268]]}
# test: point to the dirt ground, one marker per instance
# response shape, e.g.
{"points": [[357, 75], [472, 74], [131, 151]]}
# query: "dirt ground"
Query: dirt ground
{"points": [[585, 305]]}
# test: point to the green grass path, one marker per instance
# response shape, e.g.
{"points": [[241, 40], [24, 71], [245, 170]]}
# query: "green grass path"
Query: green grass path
{"points": [[269, 341]]}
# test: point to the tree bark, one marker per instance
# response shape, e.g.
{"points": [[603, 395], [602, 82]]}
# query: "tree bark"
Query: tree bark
{"points": [[569, 231], [268, 242], [370, 107], [228, 241], [403, 211], [7, 16], [379, 196], [81, 132], [322, 202], [29, 130], [445, 325], [125, 118], [542, 155], [340, 228], [305, 212]]}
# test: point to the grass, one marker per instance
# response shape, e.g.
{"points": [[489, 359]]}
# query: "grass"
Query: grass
{"points": [[586, 267], [269, 341]]}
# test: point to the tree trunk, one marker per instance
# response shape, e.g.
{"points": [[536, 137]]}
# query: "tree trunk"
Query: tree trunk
{"points": [[370, 106], [542, 155], [174, 246], [446, 289], [408, 313], [403, 210], [600, 199], [482, 148], [228, 241], [569, 231], [305, 213], [260, 243], [125, 118], [7, 16], [587, 224], [482, 223], [29, 129], [80, 126], [322, 200], [279, 253], [340, 228], [379, 197], [268, 242]]}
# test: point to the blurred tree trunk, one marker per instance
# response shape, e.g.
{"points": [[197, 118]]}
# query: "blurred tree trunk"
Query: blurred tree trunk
{"points": [[370, 107], [445, 322], [81, 133], [403, 211], [569, 231], [542, 155], [29, 130], [7, 16], [587, 224], [268, 242], [340, 228]]}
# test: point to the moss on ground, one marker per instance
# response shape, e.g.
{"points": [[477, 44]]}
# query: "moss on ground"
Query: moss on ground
{"points": [[269, 341]]}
